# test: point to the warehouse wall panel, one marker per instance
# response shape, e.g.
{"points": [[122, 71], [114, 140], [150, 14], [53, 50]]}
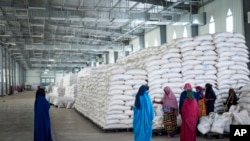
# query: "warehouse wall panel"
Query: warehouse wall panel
{"points": [[179, 30], [111, 57], [218, 9], [152, 38], [33, 78], [136, 44]]}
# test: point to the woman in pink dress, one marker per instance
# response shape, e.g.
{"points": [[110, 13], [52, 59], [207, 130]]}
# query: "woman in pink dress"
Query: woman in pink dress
{"points": [[189, 111]]}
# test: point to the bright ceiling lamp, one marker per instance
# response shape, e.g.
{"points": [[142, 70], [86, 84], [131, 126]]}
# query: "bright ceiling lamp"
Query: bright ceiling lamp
{"points": [[52, 60]]}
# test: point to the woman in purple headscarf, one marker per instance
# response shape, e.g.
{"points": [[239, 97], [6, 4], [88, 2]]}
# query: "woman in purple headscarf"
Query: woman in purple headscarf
{"points": [[170, 109], [189, 110]]}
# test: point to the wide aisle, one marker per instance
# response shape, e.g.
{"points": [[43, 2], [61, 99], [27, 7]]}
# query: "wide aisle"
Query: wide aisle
{"points": [[17, 115]]}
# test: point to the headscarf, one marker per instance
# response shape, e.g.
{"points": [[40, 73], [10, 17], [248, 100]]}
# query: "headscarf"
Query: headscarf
{"points": [[188, 89], [140, 92], [200, 93], [209, 93], [231, 90], [187, 86], [42, 127], [169, 99], [40, 92]]}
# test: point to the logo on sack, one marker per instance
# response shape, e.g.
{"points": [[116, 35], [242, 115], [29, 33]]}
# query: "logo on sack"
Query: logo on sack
{"points": [[239, 132]]}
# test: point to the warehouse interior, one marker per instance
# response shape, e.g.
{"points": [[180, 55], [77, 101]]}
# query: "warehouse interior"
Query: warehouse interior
{"points": [[44, 43]]}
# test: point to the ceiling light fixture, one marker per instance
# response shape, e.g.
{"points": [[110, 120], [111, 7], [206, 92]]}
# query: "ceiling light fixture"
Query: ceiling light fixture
{"points": [[11, 43], [37, 43], [68, 36], [41, 25], [42, 8], [52, 60], [5, 35]]}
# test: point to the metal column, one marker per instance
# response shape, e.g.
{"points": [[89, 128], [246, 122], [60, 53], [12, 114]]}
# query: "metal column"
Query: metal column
{"points": [[246, 9], [1, 69], [141, 41], [5, 68], [163, 34], [194, 28]]}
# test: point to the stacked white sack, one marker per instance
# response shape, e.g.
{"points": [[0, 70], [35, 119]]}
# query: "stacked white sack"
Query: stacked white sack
{"points": [[232, 64], [69, 79], [109, 94], [57, 91], [93, 97], [71, 91], [244, 98], [81, 103], [123, 86], [209, 60], [163, 69], [148, 59], [63, 92], [198, 60]]}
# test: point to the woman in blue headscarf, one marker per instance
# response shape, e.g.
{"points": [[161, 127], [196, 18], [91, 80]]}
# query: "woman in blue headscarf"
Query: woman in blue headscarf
{"points": [[143, 115], [42, 130]]}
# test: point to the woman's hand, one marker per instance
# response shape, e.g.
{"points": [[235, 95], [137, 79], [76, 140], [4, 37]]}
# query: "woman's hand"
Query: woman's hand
{"points": [[154, 101]]}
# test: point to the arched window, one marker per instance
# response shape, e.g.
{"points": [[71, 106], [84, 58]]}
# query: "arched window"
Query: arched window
{"points": [[211, 26], [174, 35], [229, 21], [185, 32]]}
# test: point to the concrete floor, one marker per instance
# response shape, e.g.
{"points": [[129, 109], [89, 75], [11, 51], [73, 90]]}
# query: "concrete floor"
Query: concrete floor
{"points": [[17, 115]]}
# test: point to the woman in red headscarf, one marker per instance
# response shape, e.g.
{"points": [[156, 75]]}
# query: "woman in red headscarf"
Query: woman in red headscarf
{"points": [[189, 110], [170, 109]]}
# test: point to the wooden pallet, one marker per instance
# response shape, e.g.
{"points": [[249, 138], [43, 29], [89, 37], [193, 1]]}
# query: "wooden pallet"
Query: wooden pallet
{"points": [[110, 130]]}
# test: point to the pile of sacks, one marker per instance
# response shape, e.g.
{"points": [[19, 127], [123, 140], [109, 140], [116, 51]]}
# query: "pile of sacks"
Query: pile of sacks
{"points": [[244, 97], [231, 64], [198, 60], [220, 123], [63, 94], [107, 94]]}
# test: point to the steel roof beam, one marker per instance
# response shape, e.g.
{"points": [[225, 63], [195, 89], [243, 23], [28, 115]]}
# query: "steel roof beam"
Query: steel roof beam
{"points": [[73, 47]]}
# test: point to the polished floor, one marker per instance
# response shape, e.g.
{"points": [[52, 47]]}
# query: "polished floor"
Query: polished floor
{"points": [[16, 123]]}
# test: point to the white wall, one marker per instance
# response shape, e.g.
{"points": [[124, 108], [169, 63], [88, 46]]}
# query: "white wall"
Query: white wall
{"points": [[178, 30], [218, 9], [33, 78], [111, 57], [152, 38], [136, 44], [59, 76]]}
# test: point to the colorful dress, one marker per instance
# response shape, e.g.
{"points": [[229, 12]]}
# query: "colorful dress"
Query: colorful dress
{"points": [[170, 110]]}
